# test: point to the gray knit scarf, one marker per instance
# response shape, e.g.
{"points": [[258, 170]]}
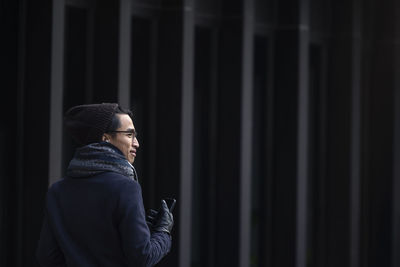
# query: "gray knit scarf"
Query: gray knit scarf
{"points": [[97, 158]]}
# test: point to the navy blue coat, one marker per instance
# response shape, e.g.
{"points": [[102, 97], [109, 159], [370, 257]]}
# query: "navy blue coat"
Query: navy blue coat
{"points": [[98, 221]]}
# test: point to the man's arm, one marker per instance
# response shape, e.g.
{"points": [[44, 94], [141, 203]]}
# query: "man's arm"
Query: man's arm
{"points": [[141, 248], [48, 252]]}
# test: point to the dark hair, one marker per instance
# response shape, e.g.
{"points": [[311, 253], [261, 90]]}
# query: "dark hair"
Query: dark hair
{"points": [[115, 123]]}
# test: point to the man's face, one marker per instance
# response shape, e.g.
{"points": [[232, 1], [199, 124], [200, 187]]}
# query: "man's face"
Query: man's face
{"points": [[126, 142]]}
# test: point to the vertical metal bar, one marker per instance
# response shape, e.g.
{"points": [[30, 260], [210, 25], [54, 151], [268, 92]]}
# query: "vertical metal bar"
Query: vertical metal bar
{"points": [[20, 132], [396, 179], [355, 138], [124, 53], [302, 137], [396, 150], [187, 134], [56, 98], [246, 133]]}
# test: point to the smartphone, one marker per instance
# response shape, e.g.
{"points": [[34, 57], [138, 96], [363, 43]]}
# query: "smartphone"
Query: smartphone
{"points": [[170, 203]]}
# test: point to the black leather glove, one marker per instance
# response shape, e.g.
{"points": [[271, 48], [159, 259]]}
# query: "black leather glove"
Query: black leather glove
{"points": [[151, 218], [164, 220]]}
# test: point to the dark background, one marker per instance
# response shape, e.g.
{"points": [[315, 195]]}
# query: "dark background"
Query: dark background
{"points": [[274, 123]]}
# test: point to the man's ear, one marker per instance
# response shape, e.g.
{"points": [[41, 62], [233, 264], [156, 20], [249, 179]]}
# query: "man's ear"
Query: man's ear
{"points": [[105, 138]]}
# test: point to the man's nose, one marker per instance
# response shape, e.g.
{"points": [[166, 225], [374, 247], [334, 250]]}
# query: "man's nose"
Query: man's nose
{"points": [[135, 143]]}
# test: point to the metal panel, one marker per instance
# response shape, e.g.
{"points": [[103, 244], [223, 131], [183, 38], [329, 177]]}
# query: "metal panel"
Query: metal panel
{"points": [[246, 133], [396, 146], [124, 53], [56, 100], [186, 134], [355, 176]]}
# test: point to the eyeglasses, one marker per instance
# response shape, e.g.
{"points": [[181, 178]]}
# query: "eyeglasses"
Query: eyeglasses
{"points": [[130, 133]]}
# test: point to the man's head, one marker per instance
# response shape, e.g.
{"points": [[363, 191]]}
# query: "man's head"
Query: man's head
{"points": [[103, 122], [122, 134]]}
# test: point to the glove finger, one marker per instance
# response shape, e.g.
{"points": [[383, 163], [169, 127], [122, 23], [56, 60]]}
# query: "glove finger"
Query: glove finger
{"points": [[165, 208], [152, 213], [164, 205]]}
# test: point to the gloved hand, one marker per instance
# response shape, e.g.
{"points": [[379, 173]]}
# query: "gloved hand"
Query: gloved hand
{"points": [[151, 218], [164, 220]]}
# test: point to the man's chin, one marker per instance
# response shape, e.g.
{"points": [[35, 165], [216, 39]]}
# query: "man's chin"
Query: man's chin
{"points": [[130, 159]]}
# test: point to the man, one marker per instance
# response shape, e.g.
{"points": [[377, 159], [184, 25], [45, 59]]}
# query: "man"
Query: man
{"points": [[95, 215]]}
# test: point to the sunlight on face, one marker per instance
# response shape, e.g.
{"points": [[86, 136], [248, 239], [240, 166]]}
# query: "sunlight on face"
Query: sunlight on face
{"points": [[126, 142]]}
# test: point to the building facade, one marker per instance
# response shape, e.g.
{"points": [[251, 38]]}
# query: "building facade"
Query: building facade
{"points": [[275, 124]]}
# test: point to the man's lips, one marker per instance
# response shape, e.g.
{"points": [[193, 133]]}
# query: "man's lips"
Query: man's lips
{"points": [[133, 152]]}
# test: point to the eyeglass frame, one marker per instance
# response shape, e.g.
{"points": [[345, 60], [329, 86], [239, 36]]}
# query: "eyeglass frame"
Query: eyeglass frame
{"points": [[133, 132]]}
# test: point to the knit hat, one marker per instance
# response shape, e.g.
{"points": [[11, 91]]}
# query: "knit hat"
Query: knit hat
{"points": [[87, 123]]}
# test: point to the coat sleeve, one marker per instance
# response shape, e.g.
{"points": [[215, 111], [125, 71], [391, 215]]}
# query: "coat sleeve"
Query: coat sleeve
{"points": [[141, 248], [48, 252]]}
